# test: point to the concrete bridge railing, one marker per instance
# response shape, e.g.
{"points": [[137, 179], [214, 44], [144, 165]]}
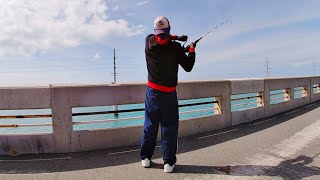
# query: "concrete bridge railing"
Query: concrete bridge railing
{"points": [[61, 100]]}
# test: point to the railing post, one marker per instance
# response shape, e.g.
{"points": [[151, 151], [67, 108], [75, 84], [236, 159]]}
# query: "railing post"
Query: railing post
{"points": [[267, 102], [225, 105], [61, 120]]}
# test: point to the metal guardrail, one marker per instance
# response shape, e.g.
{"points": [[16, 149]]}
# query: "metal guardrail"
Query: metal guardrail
{"points": [[300, 92], [246, 104], [23, 125], [134, 118], [287, 97], [138, 117], [245, 98], [284, 92], [26, 116], [236, 102], [98, 113], [284, 96]]}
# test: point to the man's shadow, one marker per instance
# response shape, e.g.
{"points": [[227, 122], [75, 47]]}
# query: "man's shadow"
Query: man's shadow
{"points": [[289, 169]]}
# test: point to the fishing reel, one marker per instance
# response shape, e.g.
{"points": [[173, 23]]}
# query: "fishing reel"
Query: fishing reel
{"points": [[183, 38]]}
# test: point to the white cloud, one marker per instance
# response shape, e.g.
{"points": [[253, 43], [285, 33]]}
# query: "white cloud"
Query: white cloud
{"points": [[28, 27], [130, 14], [97, 56], [142, 3], [116, 8]]}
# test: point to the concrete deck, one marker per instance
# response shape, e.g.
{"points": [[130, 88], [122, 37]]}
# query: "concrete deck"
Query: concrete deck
{"points": [[286, 146]]}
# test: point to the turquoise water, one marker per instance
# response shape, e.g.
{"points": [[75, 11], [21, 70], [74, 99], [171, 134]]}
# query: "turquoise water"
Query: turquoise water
{"points": [[277, 96], [238, 105], [245, 104], [139, 121], [26, 121], [91, 126]]}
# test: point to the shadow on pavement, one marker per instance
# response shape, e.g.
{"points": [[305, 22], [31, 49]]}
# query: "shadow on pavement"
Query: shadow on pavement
{"points": [[49, 163], [289, 169]]}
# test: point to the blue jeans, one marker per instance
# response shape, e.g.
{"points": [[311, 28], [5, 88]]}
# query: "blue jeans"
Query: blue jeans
{"points": [[160, 107]]}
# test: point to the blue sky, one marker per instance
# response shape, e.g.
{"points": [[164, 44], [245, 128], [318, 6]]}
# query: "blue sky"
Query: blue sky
{"points": [[71, 42]]}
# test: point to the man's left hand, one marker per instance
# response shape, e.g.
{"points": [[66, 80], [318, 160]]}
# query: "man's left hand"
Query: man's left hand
{"points": [[182, 38]]}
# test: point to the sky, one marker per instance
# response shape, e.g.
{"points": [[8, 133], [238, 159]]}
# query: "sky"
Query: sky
{"points": [[72, 42]]}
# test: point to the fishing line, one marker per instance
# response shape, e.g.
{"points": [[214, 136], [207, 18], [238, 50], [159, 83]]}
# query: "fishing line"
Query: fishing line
{"points": [[215, 28]]}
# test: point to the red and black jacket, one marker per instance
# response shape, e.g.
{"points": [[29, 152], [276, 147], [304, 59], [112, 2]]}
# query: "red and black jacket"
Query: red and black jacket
{"points": [[163, 59]]}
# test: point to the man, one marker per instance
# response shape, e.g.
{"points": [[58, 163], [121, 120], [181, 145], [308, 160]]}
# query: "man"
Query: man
{"points": [[163, 56]]}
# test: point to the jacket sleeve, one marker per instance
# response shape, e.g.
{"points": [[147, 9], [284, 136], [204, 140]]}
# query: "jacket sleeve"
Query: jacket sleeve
{"points": [[148, 43], [186, 61]]}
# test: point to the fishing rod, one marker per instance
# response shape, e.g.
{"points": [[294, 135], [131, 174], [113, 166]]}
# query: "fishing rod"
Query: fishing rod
{"points": [[216, 27]]}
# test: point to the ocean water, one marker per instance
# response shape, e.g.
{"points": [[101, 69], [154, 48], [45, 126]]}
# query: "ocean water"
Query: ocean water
{"points": [[247, 102], [104, 125], [139, 121]]}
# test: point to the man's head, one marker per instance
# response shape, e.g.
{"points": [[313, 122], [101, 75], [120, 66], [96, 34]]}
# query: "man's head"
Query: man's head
{"points": [[161, 25]]}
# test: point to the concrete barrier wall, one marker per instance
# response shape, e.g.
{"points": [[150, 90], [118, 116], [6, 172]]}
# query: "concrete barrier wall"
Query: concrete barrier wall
{"points": [[290, 84], [25, 98], [26, 143], [244, 87], [315, 80], [61, 100]]}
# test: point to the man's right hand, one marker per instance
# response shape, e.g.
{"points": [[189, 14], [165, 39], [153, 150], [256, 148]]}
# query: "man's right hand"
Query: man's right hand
{"points": [[192, 45]]}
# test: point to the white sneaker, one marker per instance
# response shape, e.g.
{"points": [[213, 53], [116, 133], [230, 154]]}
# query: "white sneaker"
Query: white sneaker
{"points": [[145, 163], [167, 168]]}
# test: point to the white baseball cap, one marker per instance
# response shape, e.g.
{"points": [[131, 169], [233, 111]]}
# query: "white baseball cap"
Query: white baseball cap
{"points": [[161, 25]]}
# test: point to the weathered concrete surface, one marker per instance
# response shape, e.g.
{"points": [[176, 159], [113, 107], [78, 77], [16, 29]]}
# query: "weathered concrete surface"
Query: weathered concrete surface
{"points": [[91, 95], [201, 125], [87, 140], [277, 108], [61, 121], [244, 87], [109, 138], [221, 90], [21, 143], [203, 89], [24, 98], [63, 98], [248, 115], [285, 83], [247, 86], [282, 147]]}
